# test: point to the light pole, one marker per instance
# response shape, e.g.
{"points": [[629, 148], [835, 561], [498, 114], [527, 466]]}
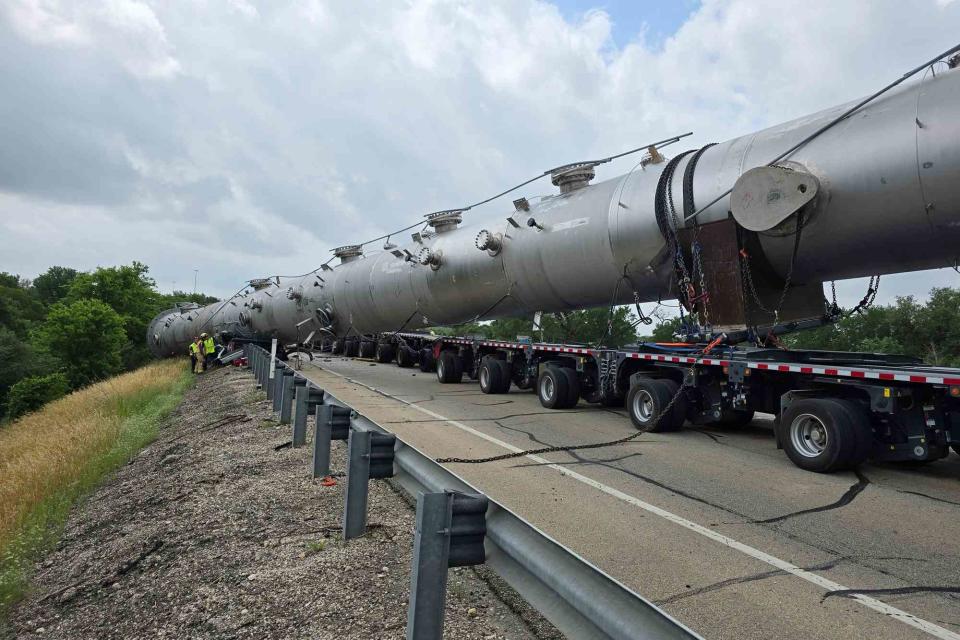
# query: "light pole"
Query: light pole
{"points": [[196, 272]]}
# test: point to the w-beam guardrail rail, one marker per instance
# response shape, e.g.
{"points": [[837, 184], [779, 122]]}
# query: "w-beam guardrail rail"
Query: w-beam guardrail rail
{"points": [[578, 598]]}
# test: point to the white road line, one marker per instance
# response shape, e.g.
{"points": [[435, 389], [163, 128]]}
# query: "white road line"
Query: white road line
{"points": [[824, 583]]}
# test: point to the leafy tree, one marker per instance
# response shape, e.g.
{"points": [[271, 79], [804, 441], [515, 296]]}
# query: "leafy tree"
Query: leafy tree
{"points": [[183, 296], [87, 336], [130, 292], [19, 306], [52, 285], [29, 394]]}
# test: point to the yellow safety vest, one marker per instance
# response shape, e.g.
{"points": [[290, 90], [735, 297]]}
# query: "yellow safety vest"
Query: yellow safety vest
{"points": [[208, 346], [194, 349]]}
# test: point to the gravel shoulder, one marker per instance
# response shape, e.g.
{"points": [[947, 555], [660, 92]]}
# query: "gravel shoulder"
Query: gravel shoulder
{"points": [[213, 533]]}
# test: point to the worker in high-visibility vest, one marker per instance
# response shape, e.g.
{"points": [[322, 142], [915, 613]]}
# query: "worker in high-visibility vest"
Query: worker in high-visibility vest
{"points": [[194, 349], [209, 350]]}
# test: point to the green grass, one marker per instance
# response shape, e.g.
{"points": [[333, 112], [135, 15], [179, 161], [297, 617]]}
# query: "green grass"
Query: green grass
{"points": [[133, 414]]}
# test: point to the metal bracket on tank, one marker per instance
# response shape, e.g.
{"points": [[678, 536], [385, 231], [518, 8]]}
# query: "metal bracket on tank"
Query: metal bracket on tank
{"points": [[763, 197]]}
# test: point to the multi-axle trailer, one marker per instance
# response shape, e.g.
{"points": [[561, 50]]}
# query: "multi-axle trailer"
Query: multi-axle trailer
{"points": [[832, 410]]}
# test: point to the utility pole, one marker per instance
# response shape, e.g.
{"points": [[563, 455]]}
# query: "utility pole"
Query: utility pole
{"points": [[196, 272]]}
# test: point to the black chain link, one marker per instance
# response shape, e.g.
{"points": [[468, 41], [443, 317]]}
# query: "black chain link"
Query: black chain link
{"points": [[576, 447]]}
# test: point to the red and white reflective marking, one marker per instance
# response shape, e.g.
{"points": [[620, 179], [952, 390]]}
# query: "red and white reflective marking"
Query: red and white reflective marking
{"points": [[783, 367], [891, 375]]}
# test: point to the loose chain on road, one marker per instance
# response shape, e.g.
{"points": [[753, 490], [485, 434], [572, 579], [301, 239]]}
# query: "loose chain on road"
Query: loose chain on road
{"points": [[576, 447]]}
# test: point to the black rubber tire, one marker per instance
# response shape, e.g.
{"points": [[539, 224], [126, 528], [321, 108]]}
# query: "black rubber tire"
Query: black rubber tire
{"points": [[573, 388], [368, 348], [427, 363], [734, 418], [552, 387], [406, 357], [507, 373], [449, 368], [956, 448], [680, 408], [491, 376], [645, 401], [385, 352], [841, 429], [862, 431], [351, 348]]}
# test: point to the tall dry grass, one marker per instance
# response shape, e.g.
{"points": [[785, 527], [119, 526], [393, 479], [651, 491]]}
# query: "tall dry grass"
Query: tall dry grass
{"points": [[50, 458]]}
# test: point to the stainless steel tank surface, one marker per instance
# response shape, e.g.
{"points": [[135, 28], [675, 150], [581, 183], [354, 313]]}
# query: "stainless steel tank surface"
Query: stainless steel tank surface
{"points": [[887, 183]]}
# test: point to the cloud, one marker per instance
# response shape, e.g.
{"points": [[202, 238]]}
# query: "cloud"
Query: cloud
{"points": [[246, 138]]}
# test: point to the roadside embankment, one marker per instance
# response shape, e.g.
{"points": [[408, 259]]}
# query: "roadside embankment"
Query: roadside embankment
{"points": [[214, 532], [51, 458]]}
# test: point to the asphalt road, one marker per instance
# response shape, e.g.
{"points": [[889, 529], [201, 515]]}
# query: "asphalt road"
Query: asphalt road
{"points": [[715, 525]]}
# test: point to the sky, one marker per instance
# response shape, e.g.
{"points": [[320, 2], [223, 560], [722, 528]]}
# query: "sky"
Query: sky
{"points": [[243, 139]]}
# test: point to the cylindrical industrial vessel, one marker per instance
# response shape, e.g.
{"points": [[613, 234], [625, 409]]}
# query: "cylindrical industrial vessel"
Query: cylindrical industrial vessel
{"points": [[884, 197]]}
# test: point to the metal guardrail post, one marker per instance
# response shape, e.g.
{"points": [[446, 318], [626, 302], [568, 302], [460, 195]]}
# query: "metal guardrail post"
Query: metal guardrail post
{"points": [[305, 399], [287, 391], [263, 365], [358, 477], [299, 437], [321, 441], [428, 576], [278, 377], [267, 380], [333, 423]]}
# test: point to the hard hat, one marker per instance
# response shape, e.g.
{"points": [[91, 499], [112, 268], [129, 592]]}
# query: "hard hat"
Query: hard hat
{"points": [[203, 335]]}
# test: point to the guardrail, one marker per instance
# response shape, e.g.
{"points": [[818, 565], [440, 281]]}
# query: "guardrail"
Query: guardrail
{"points": [[578, 598]]}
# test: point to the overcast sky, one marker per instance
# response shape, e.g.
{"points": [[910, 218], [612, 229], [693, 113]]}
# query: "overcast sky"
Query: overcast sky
{"points": [[247, 138]]}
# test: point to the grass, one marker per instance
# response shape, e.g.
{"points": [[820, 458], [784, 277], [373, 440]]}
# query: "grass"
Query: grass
{"points": [[51, 458]]}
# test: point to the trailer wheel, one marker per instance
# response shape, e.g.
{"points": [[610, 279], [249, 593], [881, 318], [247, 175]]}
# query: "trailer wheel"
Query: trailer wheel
{"points": [[680, 408], [351, 348], [427, 363], [573, 388], [824, 434], [553, 386], [406, 357], [506, 375], [646, 401], [491, 376], [385, 352], [449, 368], [861, 429], [368, 348]]}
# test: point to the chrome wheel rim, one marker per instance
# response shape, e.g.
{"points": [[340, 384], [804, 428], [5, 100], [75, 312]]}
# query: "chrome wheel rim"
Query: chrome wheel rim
{"points": [[809, 435], [547, 388], [484, 377], [440, 369], [643, 406]]}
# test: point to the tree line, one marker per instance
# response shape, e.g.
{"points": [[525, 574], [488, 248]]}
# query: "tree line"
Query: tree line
{"points": [[928, 330], [66, 329]]}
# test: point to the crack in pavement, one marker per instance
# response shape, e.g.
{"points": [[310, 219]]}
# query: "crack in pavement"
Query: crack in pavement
{"points": [[844, 500], [579, 459], [923, 495], [472, 419], [850, 593], [713, 436], [716, 586]]}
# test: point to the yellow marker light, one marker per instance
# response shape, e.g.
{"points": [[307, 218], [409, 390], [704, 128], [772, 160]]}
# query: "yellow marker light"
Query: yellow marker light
{"points": [[886, 392]]}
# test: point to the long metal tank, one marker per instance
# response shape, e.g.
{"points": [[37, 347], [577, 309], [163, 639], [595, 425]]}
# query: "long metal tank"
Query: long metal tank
{"points": [[887, 182]]}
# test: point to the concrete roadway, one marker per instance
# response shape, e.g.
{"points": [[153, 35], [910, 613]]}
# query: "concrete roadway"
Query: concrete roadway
{"points": [[716, 526]]}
